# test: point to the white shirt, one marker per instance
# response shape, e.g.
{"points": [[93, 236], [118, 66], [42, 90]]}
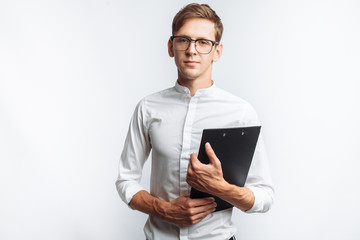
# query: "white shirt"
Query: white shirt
{"points": [[170, 123]]}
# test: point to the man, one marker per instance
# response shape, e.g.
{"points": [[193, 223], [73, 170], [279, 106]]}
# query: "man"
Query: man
{"points": [[170, 123]]}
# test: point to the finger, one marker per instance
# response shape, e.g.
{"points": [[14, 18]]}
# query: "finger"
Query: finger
{"points": [[194, 162], [201, 202], [211, 154], [201, 209], [190, 170], [186, 195], [201, 215]]}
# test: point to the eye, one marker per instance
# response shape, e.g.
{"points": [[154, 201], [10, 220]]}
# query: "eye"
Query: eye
{"points": [[204, 42], [182, 40]]}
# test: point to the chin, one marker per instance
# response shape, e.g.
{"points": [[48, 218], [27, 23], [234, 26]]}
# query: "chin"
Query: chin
{"points": [[189, 78], [190, 75]]}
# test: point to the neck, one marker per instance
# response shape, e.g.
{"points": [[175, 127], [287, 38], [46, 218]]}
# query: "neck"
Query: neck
{"points": [[195, 84]]}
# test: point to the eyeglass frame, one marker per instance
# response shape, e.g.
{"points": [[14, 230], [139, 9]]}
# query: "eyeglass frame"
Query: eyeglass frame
{"points": [[194, 40]]}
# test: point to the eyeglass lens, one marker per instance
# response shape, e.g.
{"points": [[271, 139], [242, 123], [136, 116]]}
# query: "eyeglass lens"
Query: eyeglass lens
{"points": [[201, 45]]}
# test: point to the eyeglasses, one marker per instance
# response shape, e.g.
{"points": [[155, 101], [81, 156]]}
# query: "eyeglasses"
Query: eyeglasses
{"points": [[202, 46]]}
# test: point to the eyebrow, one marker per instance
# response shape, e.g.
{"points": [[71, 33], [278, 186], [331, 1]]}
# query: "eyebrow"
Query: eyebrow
{"points": [[205, 38]]}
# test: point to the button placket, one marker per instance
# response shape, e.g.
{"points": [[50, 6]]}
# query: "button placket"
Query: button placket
{"points": [[185, 154]]}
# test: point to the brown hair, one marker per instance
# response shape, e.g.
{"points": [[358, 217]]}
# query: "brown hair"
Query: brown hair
{"points": [[195, 10]]}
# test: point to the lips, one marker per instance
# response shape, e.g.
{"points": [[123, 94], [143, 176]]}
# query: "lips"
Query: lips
{"points": [[191, 63]]}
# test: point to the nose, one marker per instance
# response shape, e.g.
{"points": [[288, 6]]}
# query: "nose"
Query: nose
{"points": [[192, 48]]}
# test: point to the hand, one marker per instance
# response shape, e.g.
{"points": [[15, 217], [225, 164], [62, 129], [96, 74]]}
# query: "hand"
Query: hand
{"points": [[209, 178], [186, 211], [206, 177]]}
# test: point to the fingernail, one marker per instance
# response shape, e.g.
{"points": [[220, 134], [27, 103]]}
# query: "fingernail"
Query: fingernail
{"points": [[208, 144]]}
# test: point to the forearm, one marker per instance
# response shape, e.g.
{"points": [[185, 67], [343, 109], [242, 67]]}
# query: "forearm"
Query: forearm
{"points": [[146, 203], [182, 210], [241, 197]]}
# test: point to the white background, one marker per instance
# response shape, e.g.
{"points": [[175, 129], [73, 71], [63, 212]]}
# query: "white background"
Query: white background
{"points": [[71, 73]]}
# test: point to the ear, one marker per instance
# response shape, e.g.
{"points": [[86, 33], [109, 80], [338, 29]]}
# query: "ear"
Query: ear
{"points": [[170, 48], [218, 52]]}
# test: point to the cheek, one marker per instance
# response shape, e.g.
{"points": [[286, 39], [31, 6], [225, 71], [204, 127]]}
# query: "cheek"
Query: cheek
{"points": [[214, 57], [177, 61], [209, 59]]}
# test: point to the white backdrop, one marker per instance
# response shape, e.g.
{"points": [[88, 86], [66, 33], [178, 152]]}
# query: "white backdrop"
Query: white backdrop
{"points": [[71, 73]]}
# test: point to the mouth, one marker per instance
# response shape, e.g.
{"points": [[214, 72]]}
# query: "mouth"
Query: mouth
{"points": [[191, 63]]}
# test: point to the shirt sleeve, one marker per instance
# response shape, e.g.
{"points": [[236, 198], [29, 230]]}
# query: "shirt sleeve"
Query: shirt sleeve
{"points": [[135, 153], [259, 178]]}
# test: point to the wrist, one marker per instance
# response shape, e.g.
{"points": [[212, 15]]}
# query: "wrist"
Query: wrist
{"points": [[222, 189], [160, 208], [241, 197]]}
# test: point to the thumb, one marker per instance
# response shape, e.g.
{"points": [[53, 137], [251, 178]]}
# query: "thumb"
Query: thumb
{"points": [[211, 154]]}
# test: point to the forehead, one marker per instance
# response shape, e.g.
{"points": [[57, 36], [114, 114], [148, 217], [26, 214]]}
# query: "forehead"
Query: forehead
{"points": [[197, 28]]}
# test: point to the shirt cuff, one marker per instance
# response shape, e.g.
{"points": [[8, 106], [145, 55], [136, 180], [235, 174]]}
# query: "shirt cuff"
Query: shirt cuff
{"points": [[259, 200], [130, 191]]}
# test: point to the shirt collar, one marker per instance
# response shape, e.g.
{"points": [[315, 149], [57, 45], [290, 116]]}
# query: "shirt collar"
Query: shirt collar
{"points": [[203, 91]]}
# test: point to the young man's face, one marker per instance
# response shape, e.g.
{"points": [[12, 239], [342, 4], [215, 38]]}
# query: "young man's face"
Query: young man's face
{"points": [[191, 64]]}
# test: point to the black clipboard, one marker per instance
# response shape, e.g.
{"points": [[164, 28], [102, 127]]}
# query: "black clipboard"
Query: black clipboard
{"points": [[235, 149]]}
